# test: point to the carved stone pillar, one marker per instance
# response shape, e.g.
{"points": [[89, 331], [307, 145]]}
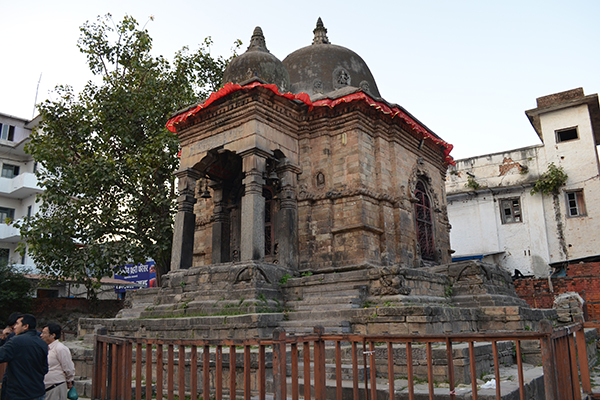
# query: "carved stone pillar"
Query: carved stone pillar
{"points": [[252, 244], [287, 218], [220, 228], [185, 220]]}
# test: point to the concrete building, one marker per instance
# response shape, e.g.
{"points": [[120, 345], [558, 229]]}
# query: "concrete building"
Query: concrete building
{"points": [[18, 185], [494, 216]]}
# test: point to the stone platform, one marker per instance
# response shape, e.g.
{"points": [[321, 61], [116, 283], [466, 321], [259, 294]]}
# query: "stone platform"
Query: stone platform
{"points": [[245, 300]]}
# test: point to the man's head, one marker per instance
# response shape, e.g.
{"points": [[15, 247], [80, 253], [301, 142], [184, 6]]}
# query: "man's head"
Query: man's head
{"points": [[51, 332], [12, 319], [24, 323]]}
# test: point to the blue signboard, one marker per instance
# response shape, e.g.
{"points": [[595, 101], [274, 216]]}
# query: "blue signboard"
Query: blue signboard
{"points": [[142, 275]]}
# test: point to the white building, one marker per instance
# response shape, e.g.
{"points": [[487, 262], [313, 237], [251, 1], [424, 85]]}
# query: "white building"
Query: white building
{"points": [[495, 218], [18, 185]]}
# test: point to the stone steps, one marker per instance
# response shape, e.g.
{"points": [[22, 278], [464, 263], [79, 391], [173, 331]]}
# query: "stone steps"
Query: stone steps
{"points": [[329, 303]]}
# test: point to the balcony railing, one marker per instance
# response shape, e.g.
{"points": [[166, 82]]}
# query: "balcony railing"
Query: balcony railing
{"points": [[19, 187]]}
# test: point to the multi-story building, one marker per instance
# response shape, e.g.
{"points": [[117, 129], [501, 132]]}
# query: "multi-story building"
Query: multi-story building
{"points": [[18, 185], [495, 217]]}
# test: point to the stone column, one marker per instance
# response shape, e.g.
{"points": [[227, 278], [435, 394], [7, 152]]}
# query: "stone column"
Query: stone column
{"points": [[185, 220], [220, 228], [252, 241], [287, 217]]}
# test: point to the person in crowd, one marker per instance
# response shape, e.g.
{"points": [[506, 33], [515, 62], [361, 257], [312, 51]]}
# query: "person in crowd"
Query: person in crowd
{"points": [[26, 356], [61, 370], [8, 333]]}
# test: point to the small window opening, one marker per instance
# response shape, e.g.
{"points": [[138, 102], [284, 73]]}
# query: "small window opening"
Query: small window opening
{"points": [[511, 211], [566, 135], [575, 204]]}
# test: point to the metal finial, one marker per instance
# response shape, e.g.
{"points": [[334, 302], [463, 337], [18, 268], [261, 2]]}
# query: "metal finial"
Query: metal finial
{"points": [[257, 41], [320, 33]]}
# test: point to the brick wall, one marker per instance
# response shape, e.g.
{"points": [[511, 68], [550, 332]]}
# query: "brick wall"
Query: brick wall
{"points": [[581, 278]]}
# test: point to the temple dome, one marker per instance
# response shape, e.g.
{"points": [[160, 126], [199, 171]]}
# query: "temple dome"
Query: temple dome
{"points": [[323, 67], [257, 62]]}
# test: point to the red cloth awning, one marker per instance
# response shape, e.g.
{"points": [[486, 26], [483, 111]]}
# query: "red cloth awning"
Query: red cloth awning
{"points": [[358, 96]]}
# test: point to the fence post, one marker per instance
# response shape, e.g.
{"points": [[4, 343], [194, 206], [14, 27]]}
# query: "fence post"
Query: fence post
{"points": [[97, 363], [279, 360], [320, 364], [548, 360], [584, 367]]}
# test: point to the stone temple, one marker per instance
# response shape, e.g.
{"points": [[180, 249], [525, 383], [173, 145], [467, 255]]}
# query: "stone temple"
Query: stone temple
{"points": [[305, 199]]}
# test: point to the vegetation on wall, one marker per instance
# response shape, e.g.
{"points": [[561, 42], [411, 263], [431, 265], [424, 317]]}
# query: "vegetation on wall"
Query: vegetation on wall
{"points": [[550, 181]]}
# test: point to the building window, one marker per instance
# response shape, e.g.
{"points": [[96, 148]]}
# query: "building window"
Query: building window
{"points": [[4, 254], [575, 203], [6, 213], [424, 223], [10, 171], [566, 135], [511, 211], [7, 132]]}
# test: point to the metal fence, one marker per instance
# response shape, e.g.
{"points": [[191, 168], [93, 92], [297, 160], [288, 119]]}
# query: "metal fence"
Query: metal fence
{"points": [[311, 366]]}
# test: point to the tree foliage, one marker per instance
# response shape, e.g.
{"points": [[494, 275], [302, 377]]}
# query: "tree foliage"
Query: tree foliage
{"points": [[107, 160], [15, 292], [550, 181]]}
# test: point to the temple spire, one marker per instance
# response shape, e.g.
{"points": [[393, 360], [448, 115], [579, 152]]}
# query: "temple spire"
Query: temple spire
{"points": [[257, 41], [320, 33]]}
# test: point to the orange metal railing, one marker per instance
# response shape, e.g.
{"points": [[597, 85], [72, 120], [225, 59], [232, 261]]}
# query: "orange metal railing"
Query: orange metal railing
{"points": [[259, 367]]}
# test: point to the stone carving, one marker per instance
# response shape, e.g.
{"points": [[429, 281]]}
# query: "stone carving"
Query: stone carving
{"points": [[364, 85], [251, 274], [341, 78], [317, 87], [320, 179], [390, 283]]}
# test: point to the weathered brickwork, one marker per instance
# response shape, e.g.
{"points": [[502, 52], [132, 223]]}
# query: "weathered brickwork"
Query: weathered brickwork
{"points": [[581, 278]]}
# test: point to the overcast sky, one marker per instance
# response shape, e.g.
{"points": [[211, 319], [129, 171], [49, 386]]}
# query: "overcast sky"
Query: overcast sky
{"points": [[466, 69]]}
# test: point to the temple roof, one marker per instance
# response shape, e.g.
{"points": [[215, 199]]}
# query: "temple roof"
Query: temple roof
{"points": [[323, 67]]}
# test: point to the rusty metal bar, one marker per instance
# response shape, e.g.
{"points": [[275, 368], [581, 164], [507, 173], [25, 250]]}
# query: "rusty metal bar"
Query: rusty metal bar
{"points": [[584, 368], [194, 373], [128, 370], [138, 371], [295, 386], [373, 366], [159, 371], [219, 373], [206, 372], [279, 360], [247, 373], [170, 372], [338, 369], [409, 371], [390, 355], [450, 361], [496, 369], [262, 384], [366, 369], [560, 356], [430, 371], [473, 368], [548, 361], [232, 361], [306, 361], [114, 374], [181, 372], [319, 364], [148, 371], [520, 370], [574, 372], [355, 379]]}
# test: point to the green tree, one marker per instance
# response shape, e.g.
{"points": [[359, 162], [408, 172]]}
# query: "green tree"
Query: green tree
{"points": [[15, 293], [107, 160]]}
